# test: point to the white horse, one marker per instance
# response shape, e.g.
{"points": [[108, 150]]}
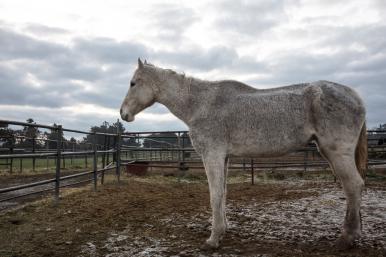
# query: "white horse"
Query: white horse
{"points": [[228, 118]]}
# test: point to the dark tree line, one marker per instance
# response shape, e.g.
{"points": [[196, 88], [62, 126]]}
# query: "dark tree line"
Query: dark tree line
{"points": [[30, 137]]}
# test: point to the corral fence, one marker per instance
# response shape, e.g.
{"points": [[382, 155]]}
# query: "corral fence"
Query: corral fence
{"points": [[59, 154], [137, 152]]}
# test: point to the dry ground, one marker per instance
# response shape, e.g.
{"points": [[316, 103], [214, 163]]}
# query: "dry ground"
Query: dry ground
{"points": [[158, 216]]}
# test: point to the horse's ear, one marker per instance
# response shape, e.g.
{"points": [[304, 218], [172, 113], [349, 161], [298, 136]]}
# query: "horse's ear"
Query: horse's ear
{"points": [[140, 64]]}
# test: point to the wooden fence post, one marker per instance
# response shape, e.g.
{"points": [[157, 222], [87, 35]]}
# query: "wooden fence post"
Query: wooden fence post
{"points": [[58, 157]]}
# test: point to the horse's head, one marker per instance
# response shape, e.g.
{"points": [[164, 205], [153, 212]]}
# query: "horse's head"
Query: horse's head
{"points": [[141, 92]]}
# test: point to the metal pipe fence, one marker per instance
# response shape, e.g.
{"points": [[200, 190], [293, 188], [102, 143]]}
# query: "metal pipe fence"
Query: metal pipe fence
{"points": [[163, 150], [58, 155]]}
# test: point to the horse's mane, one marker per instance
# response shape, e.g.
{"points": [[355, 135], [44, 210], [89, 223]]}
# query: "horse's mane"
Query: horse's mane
{"points": [[182, 75]]}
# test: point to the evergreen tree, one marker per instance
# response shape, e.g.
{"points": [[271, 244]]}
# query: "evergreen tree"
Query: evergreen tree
{"points": [[105, 127], [6, 136], [29, 133], [53, 137]]}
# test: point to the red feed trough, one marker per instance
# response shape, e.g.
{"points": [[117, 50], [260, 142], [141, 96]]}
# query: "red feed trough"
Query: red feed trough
{"points": [[138, 168]]}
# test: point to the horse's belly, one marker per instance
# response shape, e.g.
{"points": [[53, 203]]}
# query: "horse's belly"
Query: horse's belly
{"points": [[267, 146]]}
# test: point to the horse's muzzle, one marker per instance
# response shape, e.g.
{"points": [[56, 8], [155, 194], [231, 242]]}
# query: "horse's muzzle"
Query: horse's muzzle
{"points": [[126, 116]]}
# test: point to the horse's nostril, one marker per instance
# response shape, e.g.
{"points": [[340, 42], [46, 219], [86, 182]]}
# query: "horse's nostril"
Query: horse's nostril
{"points": [[120, 111]]}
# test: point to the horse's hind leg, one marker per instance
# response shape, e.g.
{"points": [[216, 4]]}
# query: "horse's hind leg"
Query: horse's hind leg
{"points": [[342, 160]]}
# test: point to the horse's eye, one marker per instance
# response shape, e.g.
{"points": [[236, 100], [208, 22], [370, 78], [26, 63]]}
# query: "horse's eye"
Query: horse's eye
{"points": [[132, 83]]}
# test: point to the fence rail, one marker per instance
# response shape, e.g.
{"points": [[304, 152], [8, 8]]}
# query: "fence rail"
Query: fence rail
{"points": [[58, 155], [170, 149]]}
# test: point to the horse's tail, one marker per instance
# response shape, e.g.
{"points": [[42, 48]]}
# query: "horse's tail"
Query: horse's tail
{"points": [[361, 152]]}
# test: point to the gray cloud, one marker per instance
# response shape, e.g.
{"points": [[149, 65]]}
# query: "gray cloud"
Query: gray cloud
{"points": [[17, 46], [41, 30], [369, 36], [106, 50], [249, 18], [15, 89], [171, 21], [199, 59]]}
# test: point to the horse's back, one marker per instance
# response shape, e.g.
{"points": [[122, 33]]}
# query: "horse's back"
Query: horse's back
{"points": [[328, 105], [266, 122]]}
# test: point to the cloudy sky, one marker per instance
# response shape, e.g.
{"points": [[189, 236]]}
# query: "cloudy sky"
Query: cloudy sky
{"points": [[70, 61]]}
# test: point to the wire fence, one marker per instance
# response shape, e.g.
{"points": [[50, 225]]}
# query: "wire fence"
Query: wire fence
{"points": [[136, 151]]}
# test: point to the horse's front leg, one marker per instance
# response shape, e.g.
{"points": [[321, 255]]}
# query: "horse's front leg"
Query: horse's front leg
{"points": [[214, 163]]}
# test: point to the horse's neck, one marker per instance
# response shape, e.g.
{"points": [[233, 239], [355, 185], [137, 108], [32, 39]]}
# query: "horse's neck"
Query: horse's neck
{"points": [[176, 96]]}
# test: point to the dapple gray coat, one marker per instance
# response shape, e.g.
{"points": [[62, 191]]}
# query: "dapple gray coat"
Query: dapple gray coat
{"points": [[228, 118]]}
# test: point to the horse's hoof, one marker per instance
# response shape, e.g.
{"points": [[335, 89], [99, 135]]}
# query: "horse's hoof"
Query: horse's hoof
{"points": [[344, 243], [210, 245]]}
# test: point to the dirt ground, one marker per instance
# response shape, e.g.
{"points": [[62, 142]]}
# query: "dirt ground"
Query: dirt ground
{"points": [[160, 216], [7, 180]]}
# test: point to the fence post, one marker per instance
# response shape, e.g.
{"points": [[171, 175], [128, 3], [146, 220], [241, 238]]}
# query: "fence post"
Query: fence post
{"points": [[104, 159], [95, 163], [64, 158], [252, 172], [47, 148], [21, 165], [33, 151], [21, 160], [305, 160], [72, 157], [58, 157], [11, 151], [183, 167], [118, 155], [108, 146]]}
